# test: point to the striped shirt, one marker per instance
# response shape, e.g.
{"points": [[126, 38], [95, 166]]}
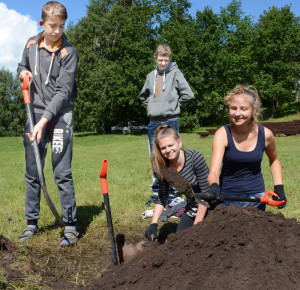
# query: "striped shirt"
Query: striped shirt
{"points": [[195, 171]]}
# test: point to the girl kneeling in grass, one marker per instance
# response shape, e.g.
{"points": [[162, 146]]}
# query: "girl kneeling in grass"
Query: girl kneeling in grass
{"points": [[168, 153]]}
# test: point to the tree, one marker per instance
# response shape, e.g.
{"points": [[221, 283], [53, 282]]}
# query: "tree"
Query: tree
{"points": [[114, 44], [12, 110], [276, 51], [222, 58]]}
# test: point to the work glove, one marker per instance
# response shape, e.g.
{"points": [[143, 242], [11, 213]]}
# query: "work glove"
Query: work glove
{"points": [[280, 191], [151, 232], [216, 192]]}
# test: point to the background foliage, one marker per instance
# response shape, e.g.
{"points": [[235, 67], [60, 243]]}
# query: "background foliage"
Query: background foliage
{"points": [[215, 51]]}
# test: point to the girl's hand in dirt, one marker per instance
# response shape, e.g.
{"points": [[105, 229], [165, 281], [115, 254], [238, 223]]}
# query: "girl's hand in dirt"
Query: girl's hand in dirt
{"points": [[38, 130], [151, 232]]}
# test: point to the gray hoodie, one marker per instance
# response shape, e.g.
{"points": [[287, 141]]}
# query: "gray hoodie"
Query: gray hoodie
{"points": [[53, 87], [164, 92]]}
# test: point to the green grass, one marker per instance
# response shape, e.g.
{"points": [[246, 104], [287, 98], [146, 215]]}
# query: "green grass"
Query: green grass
{"points": [[129, 190]]}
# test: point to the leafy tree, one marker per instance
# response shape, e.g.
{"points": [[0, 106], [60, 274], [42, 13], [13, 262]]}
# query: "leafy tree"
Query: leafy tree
{"points": [[216, 52], [12, 111], [114, 44], [222, 58], [276, 51]]}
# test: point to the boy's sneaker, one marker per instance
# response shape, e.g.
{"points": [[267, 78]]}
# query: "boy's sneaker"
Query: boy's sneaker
{"points": [[28, 233], [70, 237]]}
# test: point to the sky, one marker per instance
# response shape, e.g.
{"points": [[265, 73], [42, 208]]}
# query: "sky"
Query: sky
{"points": [[19, 20]]}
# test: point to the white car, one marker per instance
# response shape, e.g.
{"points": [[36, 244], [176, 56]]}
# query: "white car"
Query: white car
{"points": [[118, 129], [132, 127]]}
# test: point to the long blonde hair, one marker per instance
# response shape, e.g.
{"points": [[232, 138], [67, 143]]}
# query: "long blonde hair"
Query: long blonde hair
{"points": [[252, 95], [158, 161]]}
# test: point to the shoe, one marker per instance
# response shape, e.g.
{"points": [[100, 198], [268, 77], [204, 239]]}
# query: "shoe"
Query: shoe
{"points": [[70, 238], [28, 233], [147, 213]]}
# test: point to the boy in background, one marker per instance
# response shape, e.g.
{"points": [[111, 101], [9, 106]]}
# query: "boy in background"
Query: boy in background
{"points": [[52, 66], [164, 92]]}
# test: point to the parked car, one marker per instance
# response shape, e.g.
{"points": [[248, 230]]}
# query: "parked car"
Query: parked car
{"points": [[137, 128], [131, 127], [118, 129]]}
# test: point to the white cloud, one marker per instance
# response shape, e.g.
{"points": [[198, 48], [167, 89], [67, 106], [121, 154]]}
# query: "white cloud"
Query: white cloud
{"points": [[15, 29]]}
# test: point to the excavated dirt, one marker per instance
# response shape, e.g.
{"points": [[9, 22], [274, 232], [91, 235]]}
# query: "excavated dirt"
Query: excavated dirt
{"points": [[8, 255], [233, 248]]}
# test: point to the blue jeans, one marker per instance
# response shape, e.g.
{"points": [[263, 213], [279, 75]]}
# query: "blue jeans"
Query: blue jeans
{"points": [[261, 206], [152, 126]]}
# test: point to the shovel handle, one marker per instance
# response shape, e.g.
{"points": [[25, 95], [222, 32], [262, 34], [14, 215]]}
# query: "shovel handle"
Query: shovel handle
{"points": [[25, 89], [263, 199], [266, 199], [103, 180], [103, 175]]}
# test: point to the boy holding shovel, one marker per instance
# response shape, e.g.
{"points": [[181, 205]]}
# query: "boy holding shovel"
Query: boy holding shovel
{"points": [[51, 63]]}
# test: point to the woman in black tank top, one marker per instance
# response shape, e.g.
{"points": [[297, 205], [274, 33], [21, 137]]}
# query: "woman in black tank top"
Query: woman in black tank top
{"points": [[238, 150]]}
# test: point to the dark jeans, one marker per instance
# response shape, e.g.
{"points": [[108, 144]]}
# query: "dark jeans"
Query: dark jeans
{"points": [[59, 131], [185, 222]]}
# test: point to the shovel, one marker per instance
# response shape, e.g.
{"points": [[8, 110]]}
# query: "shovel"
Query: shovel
{"points": [[26, 95], [175, 179], [103, 180]]}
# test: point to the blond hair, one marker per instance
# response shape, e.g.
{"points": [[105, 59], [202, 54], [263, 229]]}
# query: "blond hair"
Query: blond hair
{"points": [[253, 98], [54, 8], [164, 50], [158, 161]]}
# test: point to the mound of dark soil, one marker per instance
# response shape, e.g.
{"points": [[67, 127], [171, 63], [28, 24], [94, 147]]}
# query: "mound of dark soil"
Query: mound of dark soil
{"points": [[8, 254], [234, 248]]}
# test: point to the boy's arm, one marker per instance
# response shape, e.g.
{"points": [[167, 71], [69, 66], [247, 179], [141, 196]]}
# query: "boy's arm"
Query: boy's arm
{"points": [[145, 93], [23, 66], [185, 91], [64, 84]]}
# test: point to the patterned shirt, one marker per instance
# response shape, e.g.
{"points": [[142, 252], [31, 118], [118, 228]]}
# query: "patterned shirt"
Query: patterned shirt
{"points": [[195, 171]]}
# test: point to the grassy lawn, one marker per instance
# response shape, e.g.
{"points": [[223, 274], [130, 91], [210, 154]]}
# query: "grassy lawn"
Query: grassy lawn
{"points": [[128, 185]]}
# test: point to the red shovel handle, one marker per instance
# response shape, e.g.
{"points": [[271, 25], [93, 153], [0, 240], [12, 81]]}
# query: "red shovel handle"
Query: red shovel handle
{"points": [[103, 174], [266, 199], [25, 89]]}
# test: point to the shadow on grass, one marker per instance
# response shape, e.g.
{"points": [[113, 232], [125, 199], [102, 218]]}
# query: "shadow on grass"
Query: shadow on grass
{"points": [[85, 134], [85, 215]]}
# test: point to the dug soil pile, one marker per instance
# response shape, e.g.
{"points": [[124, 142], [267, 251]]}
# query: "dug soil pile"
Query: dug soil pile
{"points": [[234, 248], [8, 255]]}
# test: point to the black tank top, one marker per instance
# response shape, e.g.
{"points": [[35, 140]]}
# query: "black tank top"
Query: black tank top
{"points": [[241, 172]]}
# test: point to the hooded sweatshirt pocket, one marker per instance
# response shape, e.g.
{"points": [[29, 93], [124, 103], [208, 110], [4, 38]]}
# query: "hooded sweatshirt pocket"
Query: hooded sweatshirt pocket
{"points": [[159, 107]]}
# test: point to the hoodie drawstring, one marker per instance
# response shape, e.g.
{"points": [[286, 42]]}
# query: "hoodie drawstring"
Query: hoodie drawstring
{"points": [[155, 74], [164, 78], [36, 59], [50, 68]]}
